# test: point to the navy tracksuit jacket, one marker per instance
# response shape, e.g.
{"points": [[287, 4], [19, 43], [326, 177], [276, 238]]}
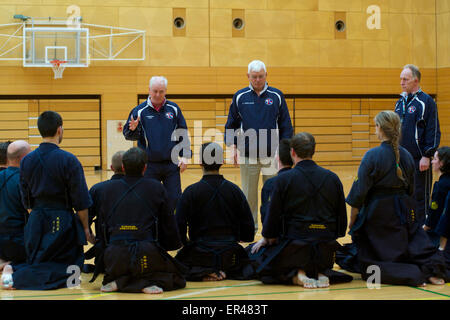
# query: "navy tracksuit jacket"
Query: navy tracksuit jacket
{"points": [[155, 134], [250, 111], [421, 136]]}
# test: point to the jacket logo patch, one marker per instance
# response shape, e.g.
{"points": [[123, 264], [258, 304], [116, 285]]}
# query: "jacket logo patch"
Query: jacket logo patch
{"points": [[150, 117], [169, 115], [411, 109], [269, 101]]}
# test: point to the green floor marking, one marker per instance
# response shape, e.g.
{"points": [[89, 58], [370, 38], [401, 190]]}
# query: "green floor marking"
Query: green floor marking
{"points": [[269, 293], [438, 293], [47, 295]]}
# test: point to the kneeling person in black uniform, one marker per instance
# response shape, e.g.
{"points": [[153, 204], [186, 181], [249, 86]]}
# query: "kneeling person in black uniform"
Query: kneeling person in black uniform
{"points": [[13, 215], [97, 250], [53, 186], [139, 227], [306, 215], [284, 163], [218, 216]]}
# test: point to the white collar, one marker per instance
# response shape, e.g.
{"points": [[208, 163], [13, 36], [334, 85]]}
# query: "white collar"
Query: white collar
{"points": [[149, 102], [262, 91]]}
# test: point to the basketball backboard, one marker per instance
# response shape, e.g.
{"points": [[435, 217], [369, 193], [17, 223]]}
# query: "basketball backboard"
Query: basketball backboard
{"points": [[38, 41], [44, 44]]}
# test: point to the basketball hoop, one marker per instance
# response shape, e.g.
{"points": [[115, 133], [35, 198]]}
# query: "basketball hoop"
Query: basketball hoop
{"points": [[58, 67]]}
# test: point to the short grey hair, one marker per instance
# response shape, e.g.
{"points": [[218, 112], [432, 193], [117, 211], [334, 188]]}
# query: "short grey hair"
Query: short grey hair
{"points": [[116, 161], [256, 66], [157, 79], [414, 70]]}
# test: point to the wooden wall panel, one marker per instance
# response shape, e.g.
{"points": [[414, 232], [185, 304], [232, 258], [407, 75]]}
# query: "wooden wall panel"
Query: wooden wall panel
{"points": [[13, 120], [81, 123], [119, 87], [443, 103], [294, 38], [317, 116], [18, 120], [407, 34]]}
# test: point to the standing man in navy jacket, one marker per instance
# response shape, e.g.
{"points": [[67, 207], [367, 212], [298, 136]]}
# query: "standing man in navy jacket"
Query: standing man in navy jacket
{"points": [[160, 128], [421, 133], [257, 120]]}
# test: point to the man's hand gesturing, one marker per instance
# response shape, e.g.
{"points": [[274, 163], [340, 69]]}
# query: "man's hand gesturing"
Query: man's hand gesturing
{"points": [[133, 123]]}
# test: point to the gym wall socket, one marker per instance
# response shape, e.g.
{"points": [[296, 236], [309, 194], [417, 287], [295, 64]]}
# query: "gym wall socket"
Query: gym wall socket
{"points": [[179, 22]]}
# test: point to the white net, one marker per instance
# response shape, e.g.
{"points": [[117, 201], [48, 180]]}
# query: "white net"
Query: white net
{"points": [[58, 67]]}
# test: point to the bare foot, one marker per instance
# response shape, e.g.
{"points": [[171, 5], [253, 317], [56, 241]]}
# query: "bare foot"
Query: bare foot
{"points": [[109, 287], [423, 285], [323, 281], [436, 281], [302, 280], [215, 277], [6, 279], [3, 263], [152, 290]]}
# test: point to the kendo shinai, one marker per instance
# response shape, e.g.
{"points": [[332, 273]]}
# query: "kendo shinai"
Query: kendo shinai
{"points": [[307, 213], [218, 216], [13, 215], [138, 229], [53, 185], [384, 224]]}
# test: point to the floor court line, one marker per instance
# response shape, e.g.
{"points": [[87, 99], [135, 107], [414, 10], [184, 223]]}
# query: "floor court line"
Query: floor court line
{"points": [[96, 296], [426, 290], [213, 289], [181, 296], [426, 299], [46, 295], [226, 286], [269, 293]]}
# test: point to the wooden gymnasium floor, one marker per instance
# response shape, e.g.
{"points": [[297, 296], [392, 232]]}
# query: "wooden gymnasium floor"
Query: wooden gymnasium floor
{"points": [[240, 290]]}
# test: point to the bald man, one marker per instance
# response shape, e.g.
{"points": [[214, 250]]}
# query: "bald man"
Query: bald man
{"points": [[13, 214]]}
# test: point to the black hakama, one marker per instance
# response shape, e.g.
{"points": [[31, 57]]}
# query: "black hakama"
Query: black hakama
{"points": [[13, 217], [307, 214], [52, 183], [218, 217], [139, 229], [386, 231]]}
